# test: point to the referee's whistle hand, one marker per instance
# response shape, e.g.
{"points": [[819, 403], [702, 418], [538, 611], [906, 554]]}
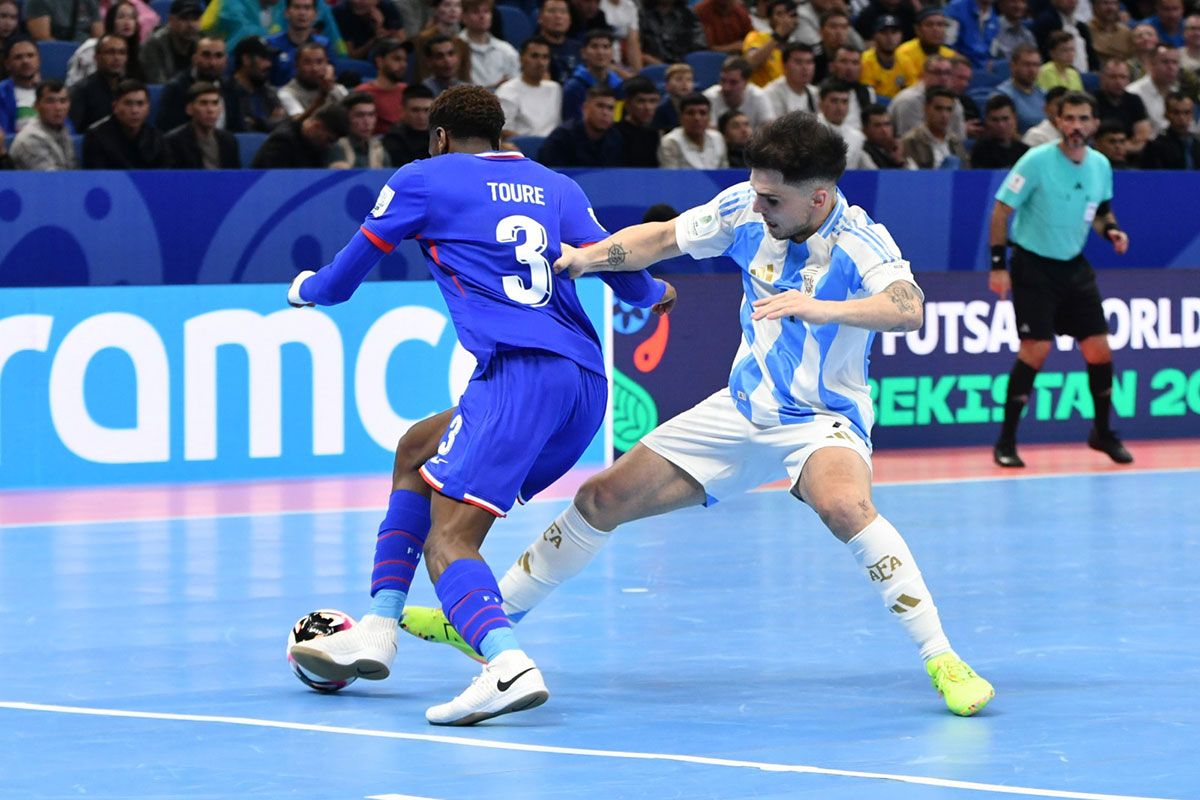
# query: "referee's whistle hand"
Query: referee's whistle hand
{"points": [[1120, 242], [1000, 282]]}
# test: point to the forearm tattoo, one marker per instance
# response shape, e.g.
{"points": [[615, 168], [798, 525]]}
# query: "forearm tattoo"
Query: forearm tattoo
{"points": [[903, 298], [616, 255]]}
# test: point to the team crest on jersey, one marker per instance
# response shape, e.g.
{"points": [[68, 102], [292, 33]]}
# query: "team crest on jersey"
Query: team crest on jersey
{"points": [[1015, 182], [809, 276], [383, 201]]}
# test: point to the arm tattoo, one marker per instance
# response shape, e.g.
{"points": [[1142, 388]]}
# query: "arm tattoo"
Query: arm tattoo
{"points": [[903, 298], [616, 255]]}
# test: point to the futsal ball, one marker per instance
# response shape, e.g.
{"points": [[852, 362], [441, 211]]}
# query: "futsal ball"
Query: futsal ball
{"points": [[313, 626]]}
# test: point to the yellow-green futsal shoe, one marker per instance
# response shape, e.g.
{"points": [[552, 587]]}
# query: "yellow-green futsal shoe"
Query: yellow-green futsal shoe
{"points": [[431, 625], [965, 692]]}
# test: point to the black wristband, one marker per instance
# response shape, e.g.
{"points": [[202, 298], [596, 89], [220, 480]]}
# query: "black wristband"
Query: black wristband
{"points": [[1109, 227], [999, 256]]}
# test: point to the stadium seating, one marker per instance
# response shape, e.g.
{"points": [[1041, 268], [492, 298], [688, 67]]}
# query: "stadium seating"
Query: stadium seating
{"points": [[995, 75], [54, 56], [154, 90], [518, 27], [529, 145], [248, 144], [706, 64], [1091, 82], [365, 69], [656, 73], [162, 8]]}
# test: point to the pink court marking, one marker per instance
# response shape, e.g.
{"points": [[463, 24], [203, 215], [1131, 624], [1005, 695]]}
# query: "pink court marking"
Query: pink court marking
{"points": [[351, 493]]}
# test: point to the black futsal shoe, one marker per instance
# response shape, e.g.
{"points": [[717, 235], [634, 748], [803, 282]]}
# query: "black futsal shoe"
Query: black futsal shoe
{"points": [[1110, 445], [1005, 454]]}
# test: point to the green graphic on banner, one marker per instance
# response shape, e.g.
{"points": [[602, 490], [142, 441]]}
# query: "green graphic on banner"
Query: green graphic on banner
{"points": [[634, 412]]}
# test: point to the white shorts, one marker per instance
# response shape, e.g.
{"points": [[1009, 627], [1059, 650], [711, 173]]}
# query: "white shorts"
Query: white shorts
{"points": [[728, 454]]}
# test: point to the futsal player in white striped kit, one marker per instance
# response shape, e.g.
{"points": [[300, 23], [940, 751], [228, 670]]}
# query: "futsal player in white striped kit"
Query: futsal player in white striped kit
{"points": [[820, 278]]}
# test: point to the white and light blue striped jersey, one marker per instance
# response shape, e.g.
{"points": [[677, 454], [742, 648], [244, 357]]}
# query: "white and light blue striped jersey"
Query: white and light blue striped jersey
{"points": [[787, 371]]}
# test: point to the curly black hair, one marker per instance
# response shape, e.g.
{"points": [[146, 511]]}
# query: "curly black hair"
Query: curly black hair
{"points": [[468, 112]]}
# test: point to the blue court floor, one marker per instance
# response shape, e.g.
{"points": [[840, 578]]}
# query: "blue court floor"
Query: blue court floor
{"points": [[728, 653]]}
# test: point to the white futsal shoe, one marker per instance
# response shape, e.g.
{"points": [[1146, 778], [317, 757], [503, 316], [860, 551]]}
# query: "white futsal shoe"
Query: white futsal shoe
{"points": [[509, 682], [365, 651]]}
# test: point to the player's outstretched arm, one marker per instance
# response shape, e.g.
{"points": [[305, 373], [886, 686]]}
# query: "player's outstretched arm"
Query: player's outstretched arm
{"points": [[897, 308], [335, 282], [629, 249]]}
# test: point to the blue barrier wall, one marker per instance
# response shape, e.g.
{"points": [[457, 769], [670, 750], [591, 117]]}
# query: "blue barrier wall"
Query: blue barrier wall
{"points": [[156, 384], [106, 228]]}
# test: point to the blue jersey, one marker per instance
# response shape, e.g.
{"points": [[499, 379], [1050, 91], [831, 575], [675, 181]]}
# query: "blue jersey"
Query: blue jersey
{"points": [[491, 225]]}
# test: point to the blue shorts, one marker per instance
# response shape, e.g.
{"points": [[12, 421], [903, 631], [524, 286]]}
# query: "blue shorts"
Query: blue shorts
{"points": [[520, 426]]}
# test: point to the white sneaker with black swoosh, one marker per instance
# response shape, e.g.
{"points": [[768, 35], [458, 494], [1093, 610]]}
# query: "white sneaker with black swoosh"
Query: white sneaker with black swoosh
{"points": [[509, 682]]}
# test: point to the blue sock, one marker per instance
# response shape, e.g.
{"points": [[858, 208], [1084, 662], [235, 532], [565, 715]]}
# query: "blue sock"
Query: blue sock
{"points": [[398, 551], [497, 641], [471, 601]]}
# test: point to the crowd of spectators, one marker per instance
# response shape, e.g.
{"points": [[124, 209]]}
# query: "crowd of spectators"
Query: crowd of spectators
{"points": [[909, 84]]}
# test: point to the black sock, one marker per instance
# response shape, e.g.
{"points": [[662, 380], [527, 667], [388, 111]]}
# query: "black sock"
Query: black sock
{"points": [[1020, 384], [1100, 379]]}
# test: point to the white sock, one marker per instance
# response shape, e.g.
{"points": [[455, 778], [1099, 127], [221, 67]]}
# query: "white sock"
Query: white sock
{"points": [[891, 568], [563, 549]]}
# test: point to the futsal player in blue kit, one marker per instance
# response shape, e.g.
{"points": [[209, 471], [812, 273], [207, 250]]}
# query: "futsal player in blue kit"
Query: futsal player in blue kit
{"points": [[490, 225]]}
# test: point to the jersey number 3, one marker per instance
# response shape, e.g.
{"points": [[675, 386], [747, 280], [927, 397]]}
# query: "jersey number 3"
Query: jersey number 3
{"points": [[541, 276]]}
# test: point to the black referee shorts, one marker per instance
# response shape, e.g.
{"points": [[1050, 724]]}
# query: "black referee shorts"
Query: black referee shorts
{"points": [[1055, 297]]}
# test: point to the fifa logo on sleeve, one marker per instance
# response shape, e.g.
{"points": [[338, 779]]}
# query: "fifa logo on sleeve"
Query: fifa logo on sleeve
{"points": [[883, 569]]}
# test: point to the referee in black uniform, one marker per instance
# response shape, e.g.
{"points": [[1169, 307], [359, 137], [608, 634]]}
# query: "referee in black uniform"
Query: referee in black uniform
{"points": [[1058, 191]]}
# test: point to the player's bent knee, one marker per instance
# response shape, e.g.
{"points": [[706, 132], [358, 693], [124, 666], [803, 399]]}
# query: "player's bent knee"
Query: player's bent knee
{"points": [[845, 514], [596, 501]]}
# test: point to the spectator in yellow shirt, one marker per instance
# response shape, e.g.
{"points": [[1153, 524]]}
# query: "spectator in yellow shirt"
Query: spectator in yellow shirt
{"points": [[763, 49], [930, 39], [1060, 70], [880, 68]]}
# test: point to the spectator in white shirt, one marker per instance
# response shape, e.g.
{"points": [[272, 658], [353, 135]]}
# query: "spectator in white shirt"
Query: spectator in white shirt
{"points": [[793, 90], [694, 144], [835, 113], [493, 61], [1156, 84], [734, 92], [532, 103]]}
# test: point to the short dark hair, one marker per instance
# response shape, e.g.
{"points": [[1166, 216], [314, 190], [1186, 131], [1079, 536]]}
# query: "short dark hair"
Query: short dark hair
{"points": [[873, 110], [434, 41], [1022, 49], [468, 112], [304, 48], [998, 101], [934, 92], [1056, 38], [828, 15], [848, 46], [771, 6], [357, 99], [1111, 125], [832, 85], [599, 91], [1054, 95], [597, 33], [728, 117], [694, 99], [48, 85], [201, 88], [796, 47], [1178, 97], [800, 147], [334, 118], [385, 47], [637, 85], [1077, 99], [129, 86], [416, 91], [737, 63], [537, 38]]}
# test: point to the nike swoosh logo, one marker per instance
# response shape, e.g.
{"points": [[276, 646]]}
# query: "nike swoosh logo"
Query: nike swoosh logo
{"points": [[504, 685]]}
